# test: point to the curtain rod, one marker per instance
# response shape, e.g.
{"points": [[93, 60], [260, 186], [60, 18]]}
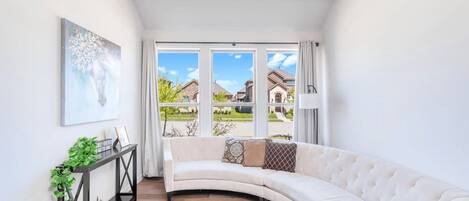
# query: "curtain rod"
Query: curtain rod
{"points": [[231, 43]]}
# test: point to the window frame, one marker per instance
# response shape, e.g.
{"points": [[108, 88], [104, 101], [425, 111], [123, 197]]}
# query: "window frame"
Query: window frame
{"points": [[260, 72], [252, 104], [179, 104], [269, 104]]}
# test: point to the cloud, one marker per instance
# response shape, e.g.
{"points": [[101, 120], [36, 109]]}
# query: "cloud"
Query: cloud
{"points": [[277, 60], [190, 69], [228, 84], [251, 69], [193, 75], [173, 72], [290, 61], [238, 56], [162, 69]]}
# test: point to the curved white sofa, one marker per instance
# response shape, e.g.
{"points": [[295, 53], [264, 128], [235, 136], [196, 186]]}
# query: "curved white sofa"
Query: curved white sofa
{"points": [[321, 174]]}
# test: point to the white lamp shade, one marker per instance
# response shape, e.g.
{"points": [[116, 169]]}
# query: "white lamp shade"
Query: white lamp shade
{"points": [[308, 101]]}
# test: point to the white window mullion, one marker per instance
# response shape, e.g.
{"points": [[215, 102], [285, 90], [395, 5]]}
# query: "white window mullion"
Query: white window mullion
{"points": [[261, 94], [205, 112]]}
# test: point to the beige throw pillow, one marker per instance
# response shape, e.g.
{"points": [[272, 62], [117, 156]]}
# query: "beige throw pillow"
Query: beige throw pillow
{"points": [[254, 153]]}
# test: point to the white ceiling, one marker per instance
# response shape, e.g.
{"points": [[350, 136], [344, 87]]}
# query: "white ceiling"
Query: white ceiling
{"points": [[246, 15]]}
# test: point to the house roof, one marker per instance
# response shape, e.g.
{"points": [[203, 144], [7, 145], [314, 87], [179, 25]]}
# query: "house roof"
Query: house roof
{"points": [[283, 74], [278, 77], [216, 87], [271, 86], [275, 78], [189, 83]]}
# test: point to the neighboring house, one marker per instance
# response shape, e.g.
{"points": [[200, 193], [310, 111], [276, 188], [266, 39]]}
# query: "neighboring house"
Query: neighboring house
{"points": [[280, 89], [190, 92], [240, 95], [216, 88]]}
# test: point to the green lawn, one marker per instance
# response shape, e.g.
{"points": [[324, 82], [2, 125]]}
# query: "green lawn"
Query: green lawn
{"points": [[280, 137], [233, 116], [180, 117], [273, 118]]}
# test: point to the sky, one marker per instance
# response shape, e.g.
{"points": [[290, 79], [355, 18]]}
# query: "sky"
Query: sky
{"points": [[230, 69]]}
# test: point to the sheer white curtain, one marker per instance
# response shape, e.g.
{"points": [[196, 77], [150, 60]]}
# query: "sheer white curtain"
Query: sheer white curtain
{"points": [[152, 138], [306, 121]]}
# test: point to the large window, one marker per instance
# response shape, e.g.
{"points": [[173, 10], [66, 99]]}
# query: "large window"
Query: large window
{"points": [[233, 93], [225, 90], [178, 92], [281, 92]]}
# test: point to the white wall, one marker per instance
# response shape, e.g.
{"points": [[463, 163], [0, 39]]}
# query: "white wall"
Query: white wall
{"points": [[32, 141], [232, 35], [398, 74]]}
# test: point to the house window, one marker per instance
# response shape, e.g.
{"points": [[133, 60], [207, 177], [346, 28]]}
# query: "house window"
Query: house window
{"points": [[233, 93], [178, 76], [281, 92]]}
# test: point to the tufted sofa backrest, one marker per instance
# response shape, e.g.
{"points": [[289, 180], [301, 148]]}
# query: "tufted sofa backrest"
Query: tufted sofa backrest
{"points": [[196, 148], [371, 179]]}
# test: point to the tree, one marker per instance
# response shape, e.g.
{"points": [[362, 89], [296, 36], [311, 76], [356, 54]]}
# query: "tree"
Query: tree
{"points": [[167, 93], [291, 95], [220, 97], [222, 128]]}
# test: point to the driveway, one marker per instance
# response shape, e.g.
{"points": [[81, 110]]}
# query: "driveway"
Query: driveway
{"points": [[244, 128]]}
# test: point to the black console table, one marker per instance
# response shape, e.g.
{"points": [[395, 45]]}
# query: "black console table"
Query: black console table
{"points": [[104, 158]]}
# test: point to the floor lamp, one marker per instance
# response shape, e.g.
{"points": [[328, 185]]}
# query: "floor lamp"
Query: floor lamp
{"points": [[311, 101]]}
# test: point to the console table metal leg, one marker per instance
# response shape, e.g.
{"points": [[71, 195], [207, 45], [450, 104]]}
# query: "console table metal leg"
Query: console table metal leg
{"points": [[134, 173], [86, 186], [118, 176]]}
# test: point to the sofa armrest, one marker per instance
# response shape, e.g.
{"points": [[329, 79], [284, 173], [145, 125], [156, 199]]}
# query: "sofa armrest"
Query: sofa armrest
{"points": [[168, 165]]}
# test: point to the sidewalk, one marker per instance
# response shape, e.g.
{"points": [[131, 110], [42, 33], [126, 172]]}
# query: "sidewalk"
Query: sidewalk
{"points": [[281, 117]]}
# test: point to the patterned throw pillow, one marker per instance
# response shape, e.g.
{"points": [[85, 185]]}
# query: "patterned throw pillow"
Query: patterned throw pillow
{"points": [[234, 151], [280, 156]]}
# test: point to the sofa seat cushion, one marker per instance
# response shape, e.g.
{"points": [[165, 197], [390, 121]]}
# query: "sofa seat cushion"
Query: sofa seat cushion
{"points": [[217, 170], [300, 187]]}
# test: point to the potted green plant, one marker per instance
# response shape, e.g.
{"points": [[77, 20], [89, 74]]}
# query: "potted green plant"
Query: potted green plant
{"points": [[82, 153]]}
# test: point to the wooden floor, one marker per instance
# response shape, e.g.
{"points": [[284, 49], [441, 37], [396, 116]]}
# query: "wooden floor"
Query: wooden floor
{"points": [[153, 190]]}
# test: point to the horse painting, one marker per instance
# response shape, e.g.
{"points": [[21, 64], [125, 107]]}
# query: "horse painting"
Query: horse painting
{"points": [[90, 66]]}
